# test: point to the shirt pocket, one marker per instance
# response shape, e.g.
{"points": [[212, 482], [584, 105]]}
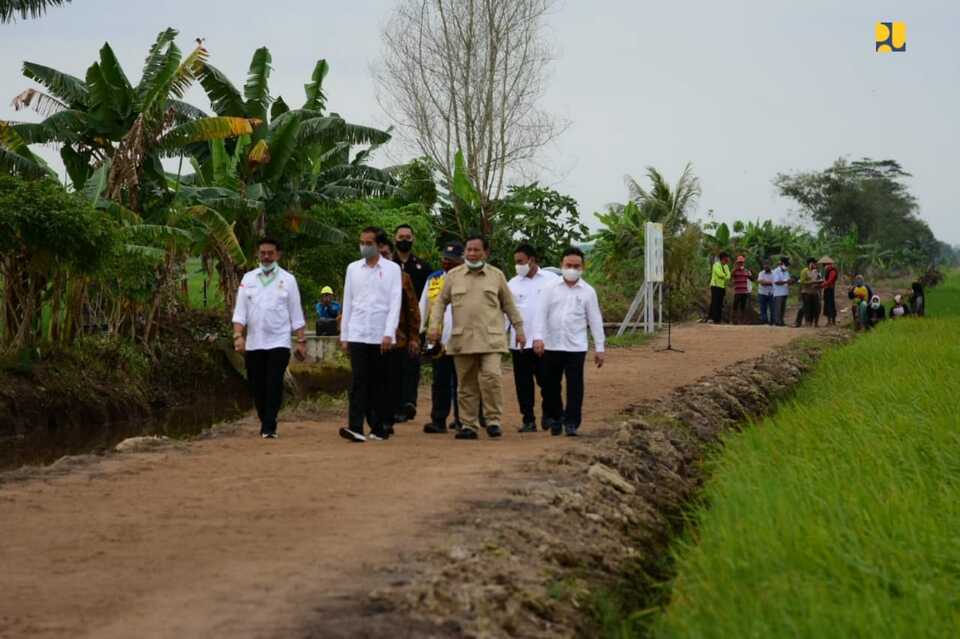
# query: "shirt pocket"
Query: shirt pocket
{"points": [[276, 311], [458, 295]]}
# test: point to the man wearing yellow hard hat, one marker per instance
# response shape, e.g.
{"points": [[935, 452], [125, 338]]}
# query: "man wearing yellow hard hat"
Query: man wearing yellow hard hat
{"points": [[328, 310]]}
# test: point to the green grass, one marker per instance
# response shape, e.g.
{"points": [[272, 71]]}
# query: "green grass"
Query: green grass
{"points": [[628, 340], [840, 515]]}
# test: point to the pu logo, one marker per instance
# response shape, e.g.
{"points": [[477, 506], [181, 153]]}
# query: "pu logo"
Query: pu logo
{"points": [[891, 36]]}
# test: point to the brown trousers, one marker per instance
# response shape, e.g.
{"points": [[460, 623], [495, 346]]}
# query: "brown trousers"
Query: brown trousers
{"points": [[479, 376]]}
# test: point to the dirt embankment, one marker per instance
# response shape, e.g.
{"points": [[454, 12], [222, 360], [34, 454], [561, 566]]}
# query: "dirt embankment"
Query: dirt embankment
{"points": [[581, 520]]}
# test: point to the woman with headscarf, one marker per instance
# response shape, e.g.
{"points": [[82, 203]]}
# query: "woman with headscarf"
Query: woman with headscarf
{"points": [[899, 309], [873, 313]]}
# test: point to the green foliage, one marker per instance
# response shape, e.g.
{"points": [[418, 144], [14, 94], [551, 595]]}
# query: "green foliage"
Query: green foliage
{"points": [[838, 515], [541, 216], [867, 198], [26, 8]]}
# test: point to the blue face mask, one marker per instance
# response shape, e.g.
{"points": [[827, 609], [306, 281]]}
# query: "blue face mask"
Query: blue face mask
{"points": [[268, 268]]}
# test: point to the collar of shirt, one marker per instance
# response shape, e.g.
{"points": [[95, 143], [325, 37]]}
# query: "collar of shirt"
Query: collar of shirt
{"points": [[379, 264]]}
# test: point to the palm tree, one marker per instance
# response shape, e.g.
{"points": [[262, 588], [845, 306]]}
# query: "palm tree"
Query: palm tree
{"points": [[665, 205], [26, 8]]}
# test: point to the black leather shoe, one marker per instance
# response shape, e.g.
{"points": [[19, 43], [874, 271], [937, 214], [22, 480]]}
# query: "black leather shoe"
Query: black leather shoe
{"points": [[434, 429], [494, 431], [529, 428], [466, 433], [570, 431]]}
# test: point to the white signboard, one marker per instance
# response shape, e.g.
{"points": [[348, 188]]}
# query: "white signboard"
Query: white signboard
{"points": [[653, 271]]}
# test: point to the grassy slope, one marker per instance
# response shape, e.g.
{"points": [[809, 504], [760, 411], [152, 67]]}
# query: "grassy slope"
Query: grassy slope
{"points": [[839, 517]]}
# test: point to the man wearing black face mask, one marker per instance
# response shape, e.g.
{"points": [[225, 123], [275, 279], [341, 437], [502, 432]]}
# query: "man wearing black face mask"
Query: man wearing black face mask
{"points": [[419, 271]]}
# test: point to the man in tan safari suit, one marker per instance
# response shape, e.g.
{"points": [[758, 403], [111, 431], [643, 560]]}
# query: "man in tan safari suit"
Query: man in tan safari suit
{"points": [[480, 297]]}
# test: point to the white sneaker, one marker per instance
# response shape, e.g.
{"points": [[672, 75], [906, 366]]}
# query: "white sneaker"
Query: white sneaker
{"points": [[375, 437], [352, 436]]}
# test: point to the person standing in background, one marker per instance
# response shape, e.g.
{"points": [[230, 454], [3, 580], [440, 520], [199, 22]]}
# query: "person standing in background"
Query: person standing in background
{"points": [[719, 276], [765, 293], [443, 389], [372, 297], [527, 287], [480, 297], [741, 290], [781, 290], [266, 313], [567, 309], [419, 271], [406, 346], [829, 288], [810, 281]]}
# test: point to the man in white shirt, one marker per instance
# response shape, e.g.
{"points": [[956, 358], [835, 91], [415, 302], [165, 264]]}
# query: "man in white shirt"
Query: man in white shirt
{"points": [[443, 390], [781, 291], [372, 295], [267, 311], [567, 309], [765, 293], [527, 367]]}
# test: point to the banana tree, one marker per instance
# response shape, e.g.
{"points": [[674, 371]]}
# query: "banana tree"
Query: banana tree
{"points": [[295, 157], [104, 117]]}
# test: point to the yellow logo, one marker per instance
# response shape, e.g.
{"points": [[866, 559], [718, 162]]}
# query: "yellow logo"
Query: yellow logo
{"points": [[891, 36]]}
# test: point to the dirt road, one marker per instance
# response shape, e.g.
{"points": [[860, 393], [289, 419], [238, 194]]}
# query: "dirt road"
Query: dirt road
{"points": [[240, 537]]}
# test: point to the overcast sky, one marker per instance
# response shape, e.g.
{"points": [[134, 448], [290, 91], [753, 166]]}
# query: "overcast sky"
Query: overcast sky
{"points": [[742, 89]]}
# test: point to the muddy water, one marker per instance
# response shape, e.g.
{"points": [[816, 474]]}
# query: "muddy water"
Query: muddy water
{"points": [[46, 445]]}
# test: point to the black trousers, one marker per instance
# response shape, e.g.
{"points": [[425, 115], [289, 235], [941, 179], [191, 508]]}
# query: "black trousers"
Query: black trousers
{"points": [[527, 376], [443, 391], [556, 366], [811, 308], [716, 303], [411, 380], [265, 370], [369, 395], [830, 304]]}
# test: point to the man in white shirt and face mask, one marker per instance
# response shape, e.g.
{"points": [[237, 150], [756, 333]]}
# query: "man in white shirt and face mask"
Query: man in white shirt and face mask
{"points": [[527, 366], [267, 311], [567, 309], [372, 295]]}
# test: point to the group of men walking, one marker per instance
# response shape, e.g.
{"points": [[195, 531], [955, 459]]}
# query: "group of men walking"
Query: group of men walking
{"points": [[464, 318]]}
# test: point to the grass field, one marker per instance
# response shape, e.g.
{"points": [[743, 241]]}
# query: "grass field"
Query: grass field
{"points": [[840, 515], [195, 279]]}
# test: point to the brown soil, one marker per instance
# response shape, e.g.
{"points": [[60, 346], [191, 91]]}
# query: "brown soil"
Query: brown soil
{"points": [[238, 537]]}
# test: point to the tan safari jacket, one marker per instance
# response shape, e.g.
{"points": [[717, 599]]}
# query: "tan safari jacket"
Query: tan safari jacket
{"points": [[480, 299]]}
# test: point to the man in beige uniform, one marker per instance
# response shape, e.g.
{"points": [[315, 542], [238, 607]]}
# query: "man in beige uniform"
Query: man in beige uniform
{"points": [[480, 296]]}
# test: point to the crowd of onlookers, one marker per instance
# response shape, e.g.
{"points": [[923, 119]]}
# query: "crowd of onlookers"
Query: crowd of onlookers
{"points": [[816, 284]]}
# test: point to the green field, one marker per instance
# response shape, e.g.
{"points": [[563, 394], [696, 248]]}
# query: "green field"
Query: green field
{"points": [[195, 279], [840, 515]]}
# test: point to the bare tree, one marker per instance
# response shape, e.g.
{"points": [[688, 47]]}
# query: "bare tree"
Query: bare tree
{"points": [[467, 75]]}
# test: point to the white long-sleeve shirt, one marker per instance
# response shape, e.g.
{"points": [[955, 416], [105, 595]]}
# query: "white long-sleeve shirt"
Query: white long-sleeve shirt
{"points": [[270, 312], [564, 315], [431, 290], [526, 295], [371, 302]]}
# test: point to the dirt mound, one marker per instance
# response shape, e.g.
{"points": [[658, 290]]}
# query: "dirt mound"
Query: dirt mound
{"points": [[524, 566]]}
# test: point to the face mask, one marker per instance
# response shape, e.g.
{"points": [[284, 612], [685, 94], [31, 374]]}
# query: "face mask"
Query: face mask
{"points": [[404, 246], [475, 266], [268, 268], [367, 251], [858, 282], [523, 270], [571, 274], [875, 306]]}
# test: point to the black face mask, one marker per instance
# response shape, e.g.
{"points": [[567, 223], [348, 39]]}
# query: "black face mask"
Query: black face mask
{"points": [[404, 246]]}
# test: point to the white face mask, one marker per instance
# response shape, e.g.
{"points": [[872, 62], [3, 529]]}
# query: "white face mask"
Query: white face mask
{"points": [[474, 266], [523, 270], [571, 275], [268, 268]]}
